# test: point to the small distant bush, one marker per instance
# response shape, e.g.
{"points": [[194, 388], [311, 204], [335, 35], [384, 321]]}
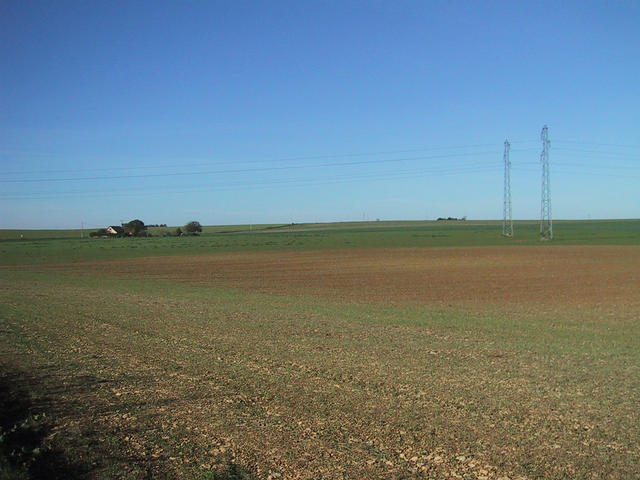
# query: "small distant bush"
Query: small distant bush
{"points": [[136, 228], [101, 232], [193, 228]]}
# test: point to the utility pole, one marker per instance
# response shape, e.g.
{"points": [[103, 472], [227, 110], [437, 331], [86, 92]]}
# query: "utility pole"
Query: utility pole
{"points": [[507, 222], [82, 229], [546, 224]]}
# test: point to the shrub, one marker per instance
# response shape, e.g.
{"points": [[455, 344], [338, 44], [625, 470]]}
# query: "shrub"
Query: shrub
{"points": [[101, 232], [193, 228], [136, 228]]}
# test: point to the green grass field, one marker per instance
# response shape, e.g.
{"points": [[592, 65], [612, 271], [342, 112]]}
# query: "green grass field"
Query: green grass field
{"points": [[152, 376], [65, 245]]}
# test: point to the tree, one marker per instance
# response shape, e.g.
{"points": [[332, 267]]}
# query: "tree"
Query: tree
{"points": [[193, 228], [101, 232], [135, 228]]}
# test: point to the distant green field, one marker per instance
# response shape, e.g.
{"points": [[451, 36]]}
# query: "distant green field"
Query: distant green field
{"points": [[66, 245], [28, 234]]}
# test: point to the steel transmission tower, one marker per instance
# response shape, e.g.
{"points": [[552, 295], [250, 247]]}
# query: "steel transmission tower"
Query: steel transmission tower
{"points": [[507, 222], [546, 224]]}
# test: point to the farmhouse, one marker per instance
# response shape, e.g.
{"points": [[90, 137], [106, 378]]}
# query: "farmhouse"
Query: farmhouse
{"points": [[115, 230]]}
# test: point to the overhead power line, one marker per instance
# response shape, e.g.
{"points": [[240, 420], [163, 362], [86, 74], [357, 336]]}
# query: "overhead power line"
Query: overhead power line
{"points": [[579, 142], [253, 160], [388, 175], [241, 170], [573, 172]]}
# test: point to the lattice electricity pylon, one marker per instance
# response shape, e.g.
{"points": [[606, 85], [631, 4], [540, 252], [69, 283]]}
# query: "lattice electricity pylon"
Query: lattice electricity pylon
{"points": [[546, 224], [507, 222]]}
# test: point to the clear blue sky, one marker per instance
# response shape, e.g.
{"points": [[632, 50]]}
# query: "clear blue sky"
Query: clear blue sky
{"points": [[250, 112]]}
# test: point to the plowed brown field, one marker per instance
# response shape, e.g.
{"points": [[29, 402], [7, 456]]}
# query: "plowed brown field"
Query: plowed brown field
{"points": [[567, 276], [469, 363]]}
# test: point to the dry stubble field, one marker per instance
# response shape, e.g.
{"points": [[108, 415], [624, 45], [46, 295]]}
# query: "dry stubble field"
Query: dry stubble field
{"points": [[462, 362]]}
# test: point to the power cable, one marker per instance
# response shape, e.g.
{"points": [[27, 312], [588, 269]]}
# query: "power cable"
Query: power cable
{"points": [[241, 170], [283, 159], [290, 182]]}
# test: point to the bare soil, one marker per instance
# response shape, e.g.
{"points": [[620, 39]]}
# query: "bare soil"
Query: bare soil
{"points": [[165, 387], [564, 276]]}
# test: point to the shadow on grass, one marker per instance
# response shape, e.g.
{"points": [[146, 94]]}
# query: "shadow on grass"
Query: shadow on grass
{"points": [[32, 447], [24, 454]]}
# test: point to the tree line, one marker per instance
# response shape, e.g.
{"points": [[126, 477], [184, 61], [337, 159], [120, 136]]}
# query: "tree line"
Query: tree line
{"points": [[137, 228]]}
